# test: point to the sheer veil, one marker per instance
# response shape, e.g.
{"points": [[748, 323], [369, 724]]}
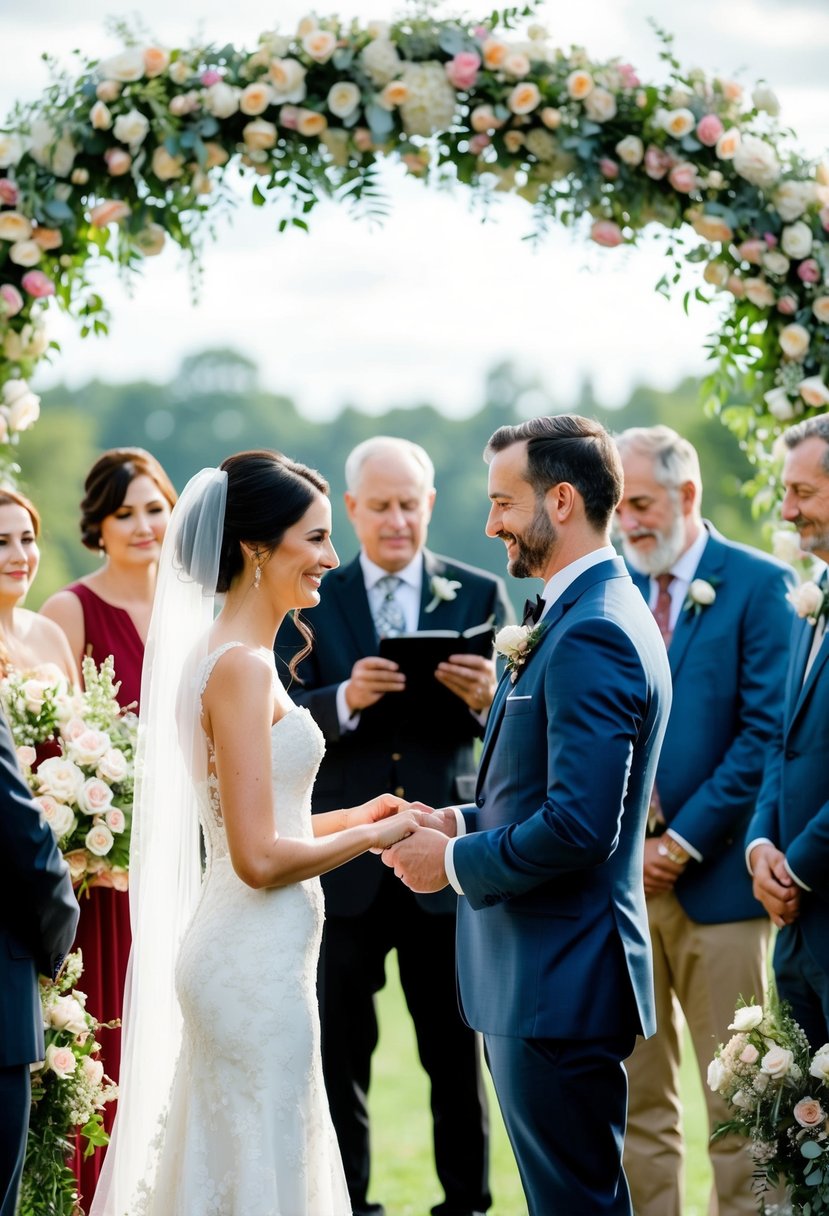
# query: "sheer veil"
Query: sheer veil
{"points": [[165, 871]]}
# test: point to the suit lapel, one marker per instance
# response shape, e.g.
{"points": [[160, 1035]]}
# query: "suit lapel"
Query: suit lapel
{"points": [[802, 690], [349, 591], [710, 568], [801, 645]]}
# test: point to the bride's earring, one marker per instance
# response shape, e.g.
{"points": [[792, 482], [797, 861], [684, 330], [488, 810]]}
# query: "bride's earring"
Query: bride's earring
{"points": [[257, 578]]}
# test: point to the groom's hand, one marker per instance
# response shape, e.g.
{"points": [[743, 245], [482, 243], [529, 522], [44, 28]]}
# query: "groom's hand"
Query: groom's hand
{"points": [[418, 861]]}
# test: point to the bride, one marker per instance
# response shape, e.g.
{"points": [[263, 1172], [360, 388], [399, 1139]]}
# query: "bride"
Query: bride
{"points": [[222, 1109]]}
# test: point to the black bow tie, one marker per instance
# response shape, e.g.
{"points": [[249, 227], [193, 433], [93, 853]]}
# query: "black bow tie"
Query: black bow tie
{"points": [[533, 610]]}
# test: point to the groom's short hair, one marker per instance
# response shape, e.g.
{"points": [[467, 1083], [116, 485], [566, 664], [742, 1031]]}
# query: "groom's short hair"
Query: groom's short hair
{"points": [[567, 447]]}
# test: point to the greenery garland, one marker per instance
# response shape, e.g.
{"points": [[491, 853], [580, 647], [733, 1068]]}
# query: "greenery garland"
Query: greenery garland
{"points": [[136, 152]]}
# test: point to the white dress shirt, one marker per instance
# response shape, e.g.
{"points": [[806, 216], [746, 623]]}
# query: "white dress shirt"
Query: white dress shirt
{"points": [[683, 570], [553, 590]]}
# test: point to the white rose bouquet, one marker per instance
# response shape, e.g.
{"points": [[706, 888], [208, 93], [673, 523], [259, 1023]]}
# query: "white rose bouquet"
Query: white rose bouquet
{"points": [[780, 1098], [33, 702], [69, 1091]]}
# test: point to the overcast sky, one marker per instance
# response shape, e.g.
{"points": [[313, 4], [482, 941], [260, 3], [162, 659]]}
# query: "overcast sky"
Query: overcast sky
{"points": [[420, 308]]}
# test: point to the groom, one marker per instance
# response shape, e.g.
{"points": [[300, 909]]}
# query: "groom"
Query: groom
{"points": [[553, 949]]}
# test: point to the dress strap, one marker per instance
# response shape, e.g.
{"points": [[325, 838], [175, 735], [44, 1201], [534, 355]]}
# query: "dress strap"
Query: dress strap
{"points": [[210, 662]]}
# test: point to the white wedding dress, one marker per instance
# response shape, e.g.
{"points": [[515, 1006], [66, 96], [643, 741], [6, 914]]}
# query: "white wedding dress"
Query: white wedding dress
{"points": [[248, 1131]]}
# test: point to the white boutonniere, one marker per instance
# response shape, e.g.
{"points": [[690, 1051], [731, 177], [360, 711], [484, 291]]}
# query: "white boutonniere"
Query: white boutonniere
{"points": [[700, 595], [443, 590], [809, 601], [515, 643]]}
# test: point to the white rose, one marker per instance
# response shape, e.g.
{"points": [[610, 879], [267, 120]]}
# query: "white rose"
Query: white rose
{"points": [[759, 292], [600, 105], [777, 1062], [100, 116], [820, 1065], [26, 756], [288, 81], [14, 226], [94, 796], [93, 1071], [113, 766], [748, 1017], [22, 406], [34, 694], [757, 162], [792, 198], [180, 71], [679, 122], [11, 149], [99, 840], [319, 45], [380, 61], [776, 263], [25, 253], [59, 816], [516, 65], [343, 99], [259, 134], [60, 778], [743, 1100], [814, 392], [60, 1060], [807, 600], [127, 67], [785, 545], [51, 148], [780, 404], [794, 341], [820, 307], [108, 90], [717, 1074], [222, 100], [766, 99], [512, 640], [131, 128], [631, 150], [115, 820], [89, 747], [701, 592], [796, 240], [65, 1013]]}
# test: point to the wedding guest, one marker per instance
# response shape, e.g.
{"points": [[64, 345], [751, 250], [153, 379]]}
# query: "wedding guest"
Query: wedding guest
{"points": [[28, 642], [553, 958], [708, 932], [393, 586], [788, 838], [38, 915], [127, 502]]}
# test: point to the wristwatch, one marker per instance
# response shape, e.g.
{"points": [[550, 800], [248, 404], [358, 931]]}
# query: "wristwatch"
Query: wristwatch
{"points": [[673, 851]]}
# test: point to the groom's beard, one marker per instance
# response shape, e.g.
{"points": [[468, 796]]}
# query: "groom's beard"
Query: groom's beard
{"points": [[658, 560], [535, 547]]}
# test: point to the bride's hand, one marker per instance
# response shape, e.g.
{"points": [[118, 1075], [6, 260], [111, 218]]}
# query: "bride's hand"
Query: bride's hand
{"points": [[396, 828], [377, 808]]}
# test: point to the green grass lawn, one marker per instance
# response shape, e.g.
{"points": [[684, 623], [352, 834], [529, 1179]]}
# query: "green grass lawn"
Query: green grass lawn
{"points": [[403, 1171]]}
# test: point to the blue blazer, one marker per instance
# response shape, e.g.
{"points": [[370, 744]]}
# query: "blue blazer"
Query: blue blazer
{"points": [[553, 932], [793, 807], [728, 665], [38, 911]]}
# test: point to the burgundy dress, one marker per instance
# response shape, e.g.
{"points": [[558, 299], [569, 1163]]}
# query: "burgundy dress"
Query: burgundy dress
{"points": [[104, 929]]}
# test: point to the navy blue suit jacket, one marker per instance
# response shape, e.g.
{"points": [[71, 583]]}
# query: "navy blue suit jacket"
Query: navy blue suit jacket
{"points": [[793, 807], [38, 911], [553, 932], [419, 757], [728, 663]]}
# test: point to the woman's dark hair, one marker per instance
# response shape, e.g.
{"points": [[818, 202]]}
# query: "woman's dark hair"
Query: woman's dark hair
{"points": [[107, 483], [12, 498], [266, 494], [567, 447]]}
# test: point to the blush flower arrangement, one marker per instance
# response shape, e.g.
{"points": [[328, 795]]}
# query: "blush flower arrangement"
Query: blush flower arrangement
{"points": [[516, 643], [69, 1092], [779, 1094], [137, 150]]}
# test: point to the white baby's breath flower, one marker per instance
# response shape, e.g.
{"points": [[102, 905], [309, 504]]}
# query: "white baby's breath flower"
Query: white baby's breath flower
{"points": [[432, 101]]}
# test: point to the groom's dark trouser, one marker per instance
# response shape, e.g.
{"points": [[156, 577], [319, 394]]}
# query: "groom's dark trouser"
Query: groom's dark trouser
{"points": [[15, 1099], [352, 970], [564, 1104]]}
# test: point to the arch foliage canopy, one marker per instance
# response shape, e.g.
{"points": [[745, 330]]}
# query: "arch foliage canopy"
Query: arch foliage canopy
{"points": [[135, 152]]}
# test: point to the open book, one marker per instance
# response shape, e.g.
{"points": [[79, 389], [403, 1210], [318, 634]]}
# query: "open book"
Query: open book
{"points": [[418, 654]]}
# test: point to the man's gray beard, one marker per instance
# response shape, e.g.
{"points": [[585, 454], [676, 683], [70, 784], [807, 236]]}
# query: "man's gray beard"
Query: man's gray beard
{"points": [[658, 560], [815, 544]]}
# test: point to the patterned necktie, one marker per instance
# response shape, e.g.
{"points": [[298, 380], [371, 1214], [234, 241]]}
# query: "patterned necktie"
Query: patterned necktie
{"points": [[532, 611], [389, 620], [662, 607]]}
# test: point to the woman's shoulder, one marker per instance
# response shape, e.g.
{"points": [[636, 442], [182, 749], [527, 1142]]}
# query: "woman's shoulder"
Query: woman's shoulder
{"points": [[234, 665]]}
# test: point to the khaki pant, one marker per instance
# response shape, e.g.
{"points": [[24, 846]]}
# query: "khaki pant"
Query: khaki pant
{"points": [[699, 971]]}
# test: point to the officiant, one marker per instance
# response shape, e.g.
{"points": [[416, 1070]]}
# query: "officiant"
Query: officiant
{"points": [[379, 739]]}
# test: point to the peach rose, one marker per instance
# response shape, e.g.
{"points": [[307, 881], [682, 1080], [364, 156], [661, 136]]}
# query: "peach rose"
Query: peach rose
{"points": [[809, 1113], [728, 143], [100, 116], [150, 241], [579, 84], [156, 60], [395, 93], [310, 123], [343, 99], [752, 251], [516, 65], [820, 307], [716, 273], [679, 123], [319, 45], [165, 166], [759, 292], [259, 134], [814, 392], [794, 341], [14, 226], [524, 98], [711, 227], [118, 162], [494, 53], [48, 238], [110, 212], [255, 98], [25, 253], [482, 119], [108, 90], [288, 80], [216, 155], [551, 117]]}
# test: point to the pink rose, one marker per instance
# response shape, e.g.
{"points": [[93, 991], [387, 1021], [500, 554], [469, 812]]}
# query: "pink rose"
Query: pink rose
{"points": [[462, 71], [118, 162], [709, 130], [210, 76], [289, 117], [749, 1054], [683, 177], [607, 233], [608, 168], [109, 212], [94, 796], [115, 820], [787, 305], [9, 193], [629, 78], [752, 251], [37, 284], [809, 1113], [60, 1060], [770, 239], [657, 163], [12, 300], [809, 271], [478, 142]]}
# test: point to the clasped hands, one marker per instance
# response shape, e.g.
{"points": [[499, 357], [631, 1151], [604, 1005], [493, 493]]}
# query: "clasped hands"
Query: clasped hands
{"points": [[773, 884], [412, 842]]}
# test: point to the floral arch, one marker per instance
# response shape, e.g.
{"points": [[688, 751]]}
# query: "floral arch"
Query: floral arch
{"points": [[134, 152]]}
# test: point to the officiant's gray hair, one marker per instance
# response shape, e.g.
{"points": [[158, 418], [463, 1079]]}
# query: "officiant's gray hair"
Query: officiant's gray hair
{"points": [[380, 445], [674, 459]]}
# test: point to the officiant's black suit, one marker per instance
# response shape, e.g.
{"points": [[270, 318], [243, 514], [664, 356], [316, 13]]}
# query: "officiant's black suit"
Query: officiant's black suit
{"points": [[368, 912], [38, 915]]}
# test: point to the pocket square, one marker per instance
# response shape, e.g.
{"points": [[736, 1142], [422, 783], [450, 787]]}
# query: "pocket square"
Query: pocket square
{"points": [[513, 697]]}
